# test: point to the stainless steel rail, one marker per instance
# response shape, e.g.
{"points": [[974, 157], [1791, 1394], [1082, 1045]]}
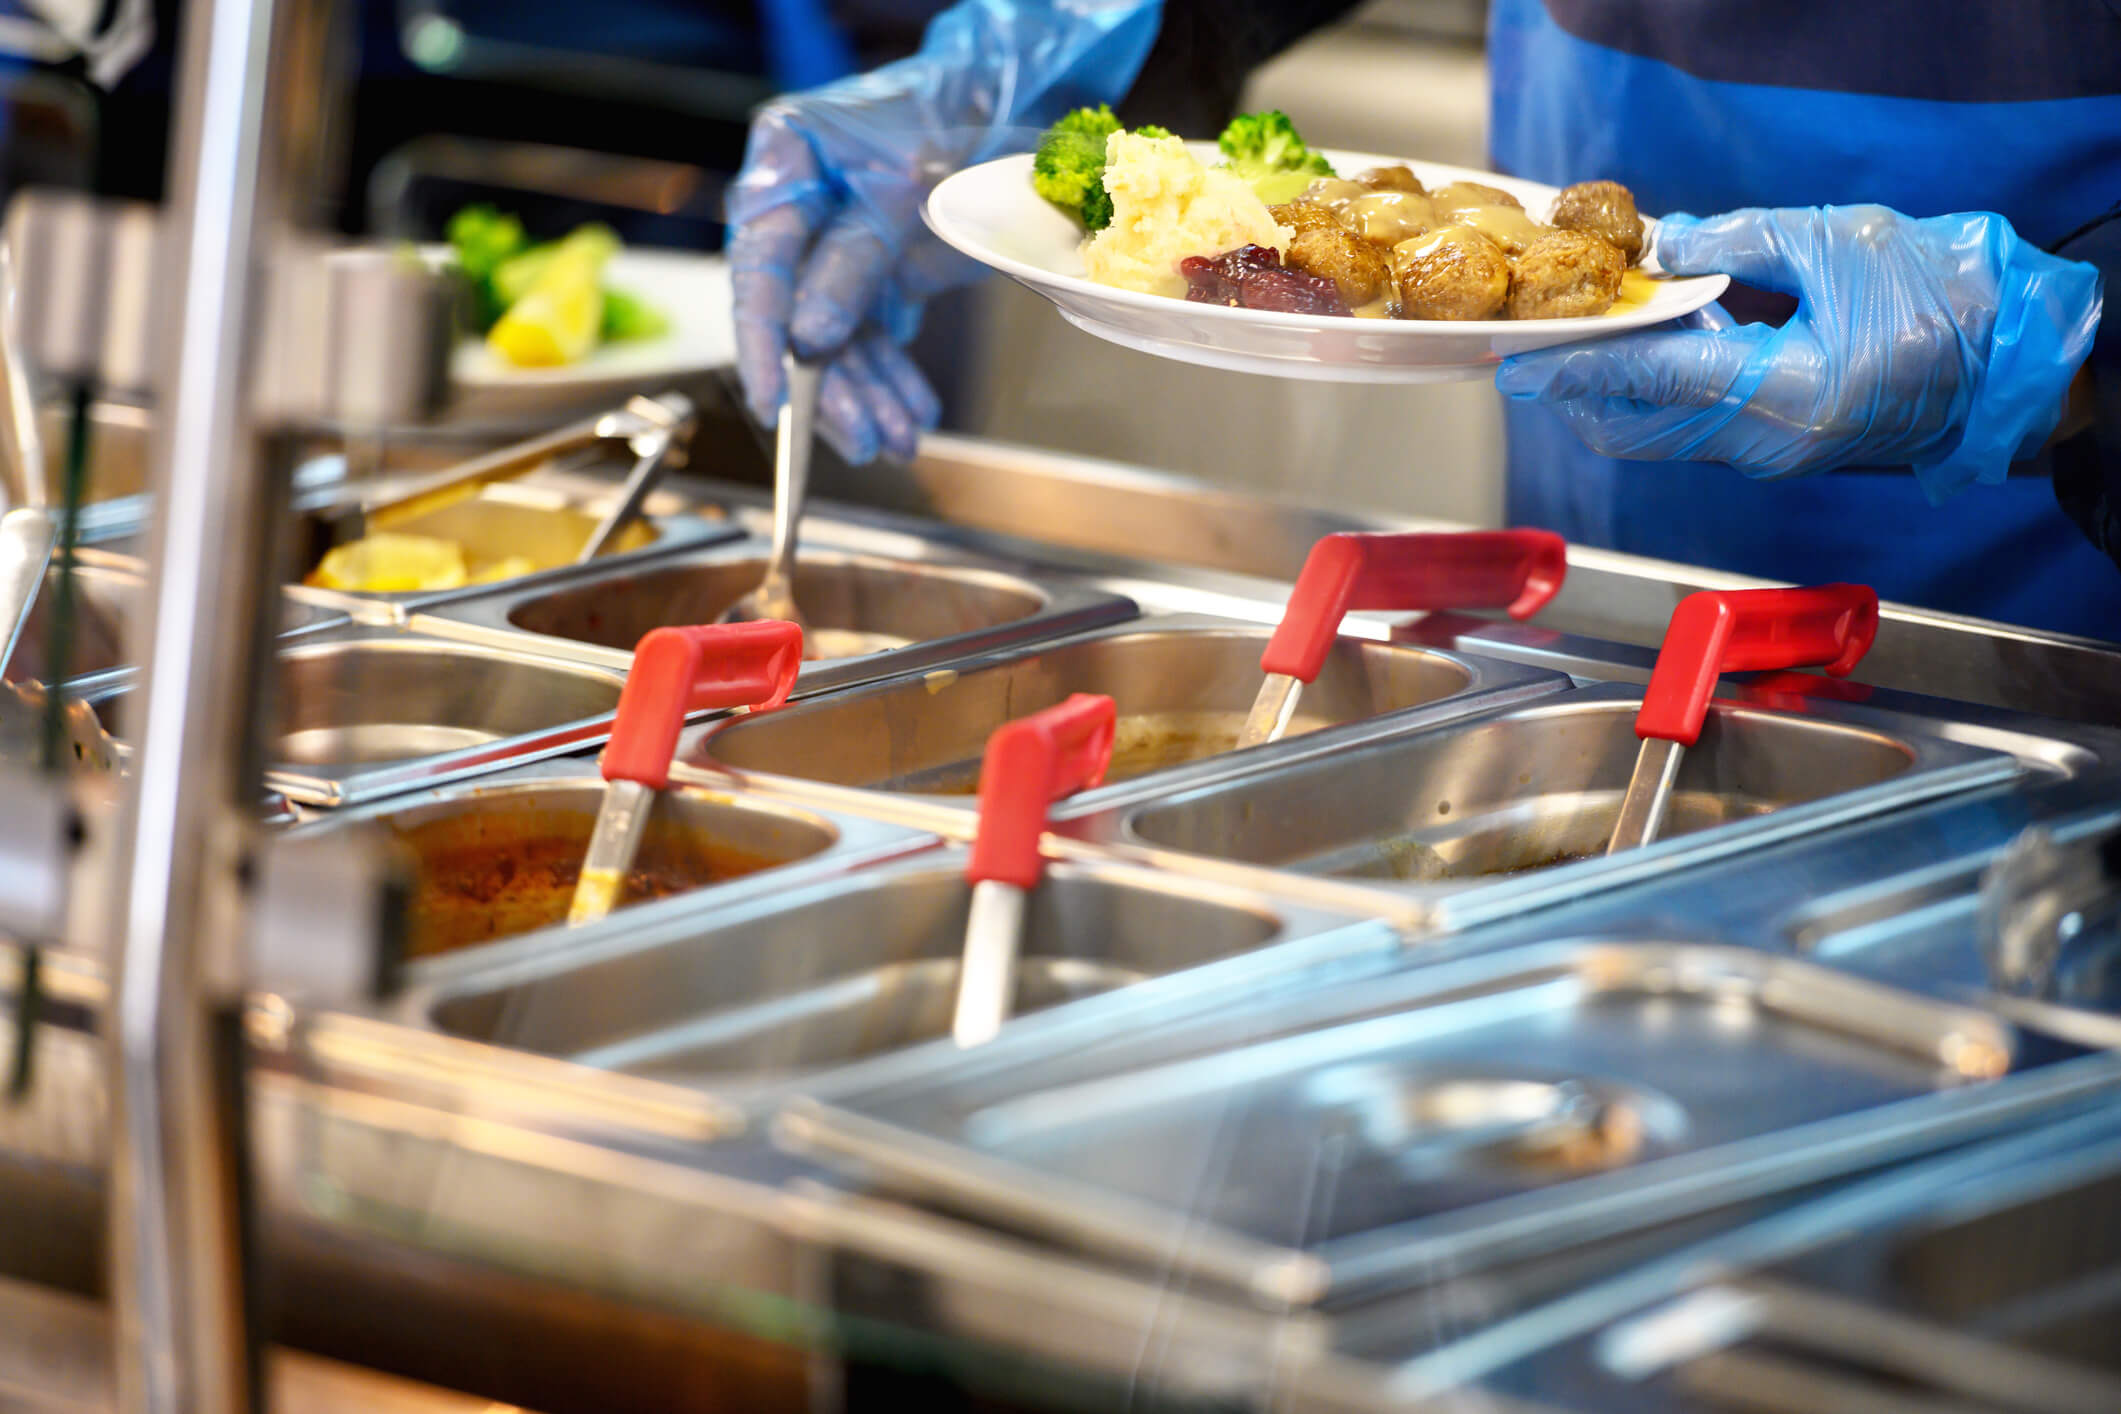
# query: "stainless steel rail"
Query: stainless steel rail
{"points": [[1119, 519]]}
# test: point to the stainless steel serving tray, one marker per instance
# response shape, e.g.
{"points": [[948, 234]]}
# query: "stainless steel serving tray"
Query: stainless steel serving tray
{"points": [[1892, 898], [550, 523], [783, 847], [1131, 523], [110, 592], [911, 746], [1920, 926], [547, 515], [944, 604], [1988, 1280], [370, 711], [1379, 1135], [781, 989], [1511, 809], [585, 1221]]}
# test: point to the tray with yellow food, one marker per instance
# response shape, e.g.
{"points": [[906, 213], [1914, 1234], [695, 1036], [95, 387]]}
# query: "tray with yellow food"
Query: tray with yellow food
{"points": [[504, 532]]}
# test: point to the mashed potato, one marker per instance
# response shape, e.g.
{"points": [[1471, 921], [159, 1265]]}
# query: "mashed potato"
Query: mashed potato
{"points": [[1167, 205]]}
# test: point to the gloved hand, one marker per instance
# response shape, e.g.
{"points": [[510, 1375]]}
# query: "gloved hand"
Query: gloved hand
{"points": [[1946, 345], [826, 248]]}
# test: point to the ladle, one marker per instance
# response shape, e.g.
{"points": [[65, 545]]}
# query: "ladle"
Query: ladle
{"points": [[1402, 571], [676, 671], [1030, 763], [1722, 631]]}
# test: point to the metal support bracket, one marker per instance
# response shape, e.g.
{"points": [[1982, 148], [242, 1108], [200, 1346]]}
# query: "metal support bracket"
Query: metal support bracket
{"points": [[355, 336]]}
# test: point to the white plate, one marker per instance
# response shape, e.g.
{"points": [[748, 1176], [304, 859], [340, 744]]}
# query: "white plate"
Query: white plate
{"points": [[991, 213], [692, 292]]}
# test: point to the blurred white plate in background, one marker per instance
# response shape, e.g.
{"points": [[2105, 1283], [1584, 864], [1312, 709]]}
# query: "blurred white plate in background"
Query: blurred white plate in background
{"points": [[692, 292]]}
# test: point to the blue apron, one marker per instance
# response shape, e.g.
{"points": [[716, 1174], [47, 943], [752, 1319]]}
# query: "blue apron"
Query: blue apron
{"points": [[1928, 106]]}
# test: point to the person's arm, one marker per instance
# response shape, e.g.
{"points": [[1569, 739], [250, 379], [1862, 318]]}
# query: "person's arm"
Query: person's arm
{"points": [[826, 246], [826, 250]]}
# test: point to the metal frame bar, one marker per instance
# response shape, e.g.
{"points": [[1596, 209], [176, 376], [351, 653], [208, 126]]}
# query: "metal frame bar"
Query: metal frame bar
{"points": [[250, 132]]}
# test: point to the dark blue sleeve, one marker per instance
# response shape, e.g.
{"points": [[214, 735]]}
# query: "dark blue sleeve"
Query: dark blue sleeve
{"points": [[2087, 468]]}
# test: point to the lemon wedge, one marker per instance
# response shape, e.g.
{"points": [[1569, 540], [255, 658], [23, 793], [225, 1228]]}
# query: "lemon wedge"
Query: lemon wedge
{"points": [[392, 564], [557, 319]]}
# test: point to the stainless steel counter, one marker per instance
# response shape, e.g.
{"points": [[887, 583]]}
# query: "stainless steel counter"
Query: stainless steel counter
{"points": [[726, 1122]]}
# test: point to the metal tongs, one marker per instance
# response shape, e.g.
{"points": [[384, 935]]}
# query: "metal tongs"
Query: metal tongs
{"points": [[654, 429], [1520, 570], [1029, 764], [1729, 631], [29, 536], [676, 672]]}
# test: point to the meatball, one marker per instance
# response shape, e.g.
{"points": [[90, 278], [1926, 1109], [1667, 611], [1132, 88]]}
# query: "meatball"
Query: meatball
{"points": [[1606, 210], [1389, 217], [1462, 194], [1333, 192], [1343, 257], [1453, 273], [1566, 275], [1301, 216], [1400, 178], [1507, 226]]}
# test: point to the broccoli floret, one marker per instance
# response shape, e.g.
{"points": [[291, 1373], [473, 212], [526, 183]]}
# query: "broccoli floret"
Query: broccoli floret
{"points": [[1097, 207], [1267, 151], [1069, 167], [631, 317], [1269, 142], [483, 239]]}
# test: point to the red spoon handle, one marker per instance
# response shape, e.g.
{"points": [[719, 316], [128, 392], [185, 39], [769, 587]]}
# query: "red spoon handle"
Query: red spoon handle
{"points": [[1409, 571], [678, 671], [1030, 763], [1742, 630]]}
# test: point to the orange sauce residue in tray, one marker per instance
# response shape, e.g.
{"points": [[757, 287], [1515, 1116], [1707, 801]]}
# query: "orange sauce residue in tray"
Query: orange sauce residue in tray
{"points": [[483, 876]]}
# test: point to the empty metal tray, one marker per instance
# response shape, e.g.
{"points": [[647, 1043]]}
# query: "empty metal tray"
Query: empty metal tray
{"points": [[1984, 1282], [499, 860], [871, 616], [1182, 686], [370, 712], [1493, 798], [1923, 927], [866, 964], [1377, 1135]]}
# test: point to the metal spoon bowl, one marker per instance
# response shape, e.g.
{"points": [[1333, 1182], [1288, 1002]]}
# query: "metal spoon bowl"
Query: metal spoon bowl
{"points": [[774, 598]]}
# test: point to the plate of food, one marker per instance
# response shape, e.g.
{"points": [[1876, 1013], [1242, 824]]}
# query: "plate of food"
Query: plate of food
{"points": [[581, 317], [1258, 253]]}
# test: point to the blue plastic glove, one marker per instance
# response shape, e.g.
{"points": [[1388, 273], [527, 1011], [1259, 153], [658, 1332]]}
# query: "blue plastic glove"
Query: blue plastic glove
{"points": [[827, 249], [1946, 345]]}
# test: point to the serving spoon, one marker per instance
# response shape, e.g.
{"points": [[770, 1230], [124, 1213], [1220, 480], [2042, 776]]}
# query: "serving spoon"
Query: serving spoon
{"points": [[774, 598]]}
